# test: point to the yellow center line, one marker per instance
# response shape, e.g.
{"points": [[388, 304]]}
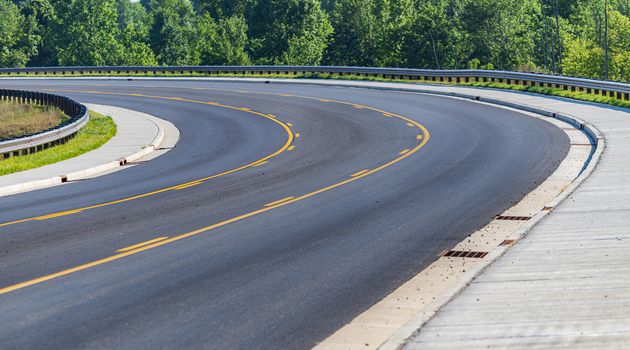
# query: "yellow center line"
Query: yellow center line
{"points": [[410, 125], [278, 201], [181, 187], [259, 164], [267, 208], [56, 215], [404, 151], [291, 148], [285, 147], [360, 172], [135, 246]]}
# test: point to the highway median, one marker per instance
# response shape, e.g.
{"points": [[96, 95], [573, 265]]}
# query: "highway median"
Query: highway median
{"points": [[96, 132]]}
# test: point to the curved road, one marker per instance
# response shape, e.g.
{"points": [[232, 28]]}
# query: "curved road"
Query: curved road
{"points": [[301, 206]]}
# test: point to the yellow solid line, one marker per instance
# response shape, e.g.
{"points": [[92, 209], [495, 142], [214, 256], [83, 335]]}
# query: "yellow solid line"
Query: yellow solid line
{"points": [[259, 164], [410, 125], [181, 187], [132, 247], [229, 221], [404, 151], [56, 215], [211, 227], [127, 199], [358, 106], [291, 148], [278, 201], [360, 172]]}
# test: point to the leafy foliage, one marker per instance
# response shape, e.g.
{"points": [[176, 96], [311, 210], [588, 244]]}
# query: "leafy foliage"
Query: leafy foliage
{"points": [[18, 42], [589, 38]]}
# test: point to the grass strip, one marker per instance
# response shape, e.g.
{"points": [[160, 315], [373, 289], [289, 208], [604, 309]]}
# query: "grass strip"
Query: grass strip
{"points": [[17, 119], [581, 96], [92, 136]]}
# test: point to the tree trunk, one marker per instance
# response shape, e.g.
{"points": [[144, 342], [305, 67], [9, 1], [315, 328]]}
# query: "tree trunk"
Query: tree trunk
{"points": [[545, 45], [606, 39], [437, 62], [555, 10]]}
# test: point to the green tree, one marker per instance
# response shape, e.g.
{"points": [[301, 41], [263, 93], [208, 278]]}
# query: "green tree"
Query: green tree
{"points": [[90, 31], [370, 32], [134, 24], [225, 8], [223, 42], [501, 32], [173, 34], [18, 42], [357, 35], [289, 32], [431, 39]]}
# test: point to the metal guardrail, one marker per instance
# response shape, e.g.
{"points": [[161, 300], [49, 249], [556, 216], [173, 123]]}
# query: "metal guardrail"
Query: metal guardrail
{"points": [[616, 90], [28, 144]]}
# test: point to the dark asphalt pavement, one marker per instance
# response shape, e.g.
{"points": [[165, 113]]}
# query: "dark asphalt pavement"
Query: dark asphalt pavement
{"points": [[285, 278]]}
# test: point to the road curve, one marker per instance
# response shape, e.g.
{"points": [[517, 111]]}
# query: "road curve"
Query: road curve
{"points": [[283, 212]]}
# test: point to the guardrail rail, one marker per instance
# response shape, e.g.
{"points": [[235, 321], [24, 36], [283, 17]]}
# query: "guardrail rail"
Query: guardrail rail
{"points": [[620, 91], [60, 134]]}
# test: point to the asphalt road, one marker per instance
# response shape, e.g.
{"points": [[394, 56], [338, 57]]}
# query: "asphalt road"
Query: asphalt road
{"points": [[238, 271]]}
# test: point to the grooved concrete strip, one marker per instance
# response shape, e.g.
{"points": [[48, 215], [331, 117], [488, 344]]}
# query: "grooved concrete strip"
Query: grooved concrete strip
{"points": [[136, 132]]}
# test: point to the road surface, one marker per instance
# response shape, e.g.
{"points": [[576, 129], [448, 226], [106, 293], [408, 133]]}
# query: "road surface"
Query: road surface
{"points": [[283, 212]]}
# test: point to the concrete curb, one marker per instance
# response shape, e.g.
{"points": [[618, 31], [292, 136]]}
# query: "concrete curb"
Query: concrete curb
{"points": [[89, 172]]}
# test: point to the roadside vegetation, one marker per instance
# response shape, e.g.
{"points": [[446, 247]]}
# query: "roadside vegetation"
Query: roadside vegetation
{"points": [[22, 119], [588, 38], [93, 135]]}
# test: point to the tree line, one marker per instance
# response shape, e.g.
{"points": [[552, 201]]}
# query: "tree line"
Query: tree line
{"points": [[589, 38]]}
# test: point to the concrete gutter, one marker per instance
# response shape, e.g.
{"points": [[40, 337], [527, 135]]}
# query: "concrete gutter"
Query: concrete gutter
{"points": [[138, 136]]}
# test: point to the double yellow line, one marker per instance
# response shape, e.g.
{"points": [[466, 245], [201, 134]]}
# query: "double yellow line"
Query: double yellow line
{"points": [[423, 138], [182, 186]]}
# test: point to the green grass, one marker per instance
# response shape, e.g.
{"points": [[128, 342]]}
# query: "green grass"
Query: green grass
{"points": [[582, 96], [92, 136]]}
